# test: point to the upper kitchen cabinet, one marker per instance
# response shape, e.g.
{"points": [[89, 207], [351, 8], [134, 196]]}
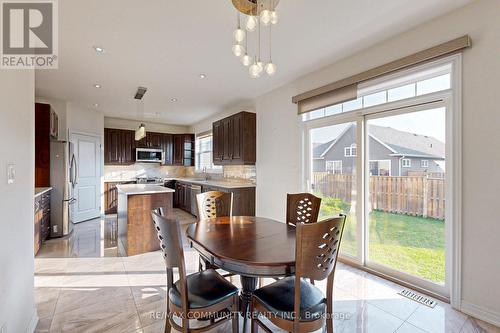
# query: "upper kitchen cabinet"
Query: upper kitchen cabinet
{"points": [[119, 147], [46, 127], [167, 145], [234, 139], [183, 149]]}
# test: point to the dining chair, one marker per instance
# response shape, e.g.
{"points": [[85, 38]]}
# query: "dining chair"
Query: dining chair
{"points": [[316, 251], [198, 295], [302, 208], [213, 204]]}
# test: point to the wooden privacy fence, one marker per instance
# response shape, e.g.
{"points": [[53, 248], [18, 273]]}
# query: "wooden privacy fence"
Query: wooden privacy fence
{"points": [[413, 195]]}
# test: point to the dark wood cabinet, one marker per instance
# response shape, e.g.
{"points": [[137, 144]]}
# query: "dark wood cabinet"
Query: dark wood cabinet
{"points": [[43, 123], [127, 147], [182, 196], [183, 149], [42, 220], [243, 198], [119, 146], [111, 196], [234, 139], [167, 145]]}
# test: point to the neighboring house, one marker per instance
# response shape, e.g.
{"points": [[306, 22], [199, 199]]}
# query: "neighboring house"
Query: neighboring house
{"points": [[392, 153]]}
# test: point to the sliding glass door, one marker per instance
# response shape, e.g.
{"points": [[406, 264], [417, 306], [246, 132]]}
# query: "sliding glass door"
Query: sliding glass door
{"points": [[334, 151], [386, 161], [405, 193]]}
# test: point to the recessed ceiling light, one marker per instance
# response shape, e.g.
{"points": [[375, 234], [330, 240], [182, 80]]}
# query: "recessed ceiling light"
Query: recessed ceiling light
{"points": [[97, 86], [99, 49], [173, 99], [202, 76], [96, 105]]}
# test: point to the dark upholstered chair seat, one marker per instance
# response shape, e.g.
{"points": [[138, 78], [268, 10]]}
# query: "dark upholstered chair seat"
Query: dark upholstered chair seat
{"points": [[278, 298], [204, 289]]}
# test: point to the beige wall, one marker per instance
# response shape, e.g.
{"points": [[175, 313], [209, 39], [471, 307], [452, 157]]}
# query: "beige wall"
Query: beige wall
{"points": [[17, 131], [150, 126], [278, 133]]}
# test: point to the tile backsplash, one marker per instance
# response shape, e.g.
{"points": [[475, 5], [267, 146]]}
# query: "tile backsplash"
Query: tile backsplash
{"points": [[232, 173], [128, 172]]}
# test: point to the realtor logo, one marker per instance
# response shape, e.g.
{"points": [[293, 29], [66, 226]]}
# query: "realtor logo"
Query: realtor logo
{"points": [[29, 34]]}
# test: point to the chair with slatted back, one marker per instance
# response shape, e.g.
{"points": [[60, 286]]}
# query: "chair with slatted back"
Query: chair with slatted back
{"points": [[316, 251], [210, 205], [214, 204], [198, 295], [302, 208]]}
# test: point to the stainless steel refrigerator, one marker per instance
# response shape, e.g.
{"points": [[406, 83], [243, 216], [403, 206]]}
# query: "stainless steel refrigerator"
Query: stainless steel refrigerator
{"points": [[63, 173]]}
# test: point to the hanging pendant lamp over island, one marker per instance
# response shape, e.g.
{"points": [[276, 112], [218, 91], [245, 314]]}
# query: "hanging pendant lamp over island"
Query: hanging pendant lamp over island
{"points": [[255, 14]]}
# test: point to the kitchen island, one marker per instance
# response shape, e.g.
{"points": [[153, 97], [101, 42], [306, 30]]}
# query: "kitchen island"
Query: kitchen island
{"points": [[136, 231]]}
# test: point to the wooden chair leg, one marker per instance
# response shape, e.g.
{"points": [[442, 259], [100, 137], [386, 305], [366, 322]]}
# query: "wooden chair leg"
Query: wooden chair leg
{"points": [[168, 328], [185, 325], [253, 317], [235, 314]]}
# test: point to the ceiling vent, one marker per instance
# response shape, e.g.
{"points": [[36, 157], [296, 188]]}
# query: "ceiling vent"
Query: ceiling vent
{"points": [[141, 91]]}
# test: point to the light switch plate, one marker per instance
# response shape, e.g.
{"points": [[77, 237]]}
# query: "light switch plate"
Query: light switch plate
{"points": [[3, 329], [11, 175]]}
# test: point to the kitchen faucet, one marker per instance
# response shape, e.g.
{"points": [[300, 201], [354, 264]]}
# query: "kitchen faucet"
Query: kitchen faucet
{"points": [[204, 171]]}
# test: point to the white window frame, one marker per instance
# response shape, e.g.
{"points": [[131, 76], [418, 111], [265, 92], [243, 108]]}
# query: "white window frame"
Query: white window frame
{"points": [[452, 99], [424, 163], [348, 150], [333, 164], [390, 165], [406, 163], [212, 168]]}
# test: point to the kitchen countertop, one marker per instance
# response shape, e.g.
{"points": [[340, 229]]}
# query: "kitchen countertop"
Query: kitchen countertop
{"points": [[133, 189], [223, 184], [41, 190]]}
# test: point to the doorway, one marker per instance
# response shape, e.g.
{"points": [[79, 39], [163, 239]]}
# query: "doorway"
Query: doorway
{"points": [[87, 189]]}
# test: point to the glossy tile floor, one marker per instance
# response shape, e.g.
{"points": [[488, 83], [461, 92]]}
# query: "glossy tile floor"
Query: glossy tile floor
{"points": [[82, 284]]}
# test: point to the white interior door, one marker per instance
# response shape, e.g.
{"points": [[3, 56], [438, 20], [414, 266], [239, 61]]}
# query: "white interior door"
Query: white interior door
{"points": [[87, 190]]}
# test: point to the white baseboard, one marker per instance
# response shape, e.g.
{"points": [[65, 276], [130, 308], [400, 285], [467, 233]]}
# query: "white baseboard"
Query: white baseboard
{"points": [[481, 313], [33, 322]]}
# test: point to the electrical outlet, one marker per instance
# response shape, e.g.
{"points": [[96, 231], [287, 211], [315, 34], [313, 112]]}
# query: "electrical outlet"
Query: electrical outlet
{"points": [[54, 229]]}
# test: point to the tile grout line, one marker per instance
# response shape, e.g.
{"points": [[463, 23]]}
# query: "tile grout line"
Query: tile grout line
{"points": [[132, 293]]}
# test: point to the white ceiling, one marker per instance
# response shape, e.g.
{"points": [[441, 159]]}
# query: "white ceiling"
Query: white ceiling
{"points": [[165, 44]]}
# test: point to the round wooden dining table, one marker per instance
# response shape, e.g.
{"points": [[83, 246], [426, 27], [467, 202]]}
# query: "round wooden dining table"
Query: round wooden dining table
{"points": [[251, 247]]}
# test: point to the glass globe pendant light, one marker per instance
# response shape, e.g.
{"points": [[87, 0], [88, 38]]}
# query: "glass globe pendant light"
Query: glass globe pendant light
{"points": [[270, 67], [239, 34], [238, 50], [265, 16], [246, 60], [254, 70], [274, 17], [251, 24]]}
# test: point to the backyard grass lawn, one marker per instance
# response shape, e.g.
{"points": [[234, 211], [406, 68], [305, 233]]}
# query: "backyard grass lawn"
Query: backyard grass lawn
{"points": [[411, 244]]}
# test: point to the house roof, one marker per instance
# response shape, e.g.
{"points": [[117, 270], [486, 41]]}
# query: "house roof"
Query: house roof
{"points": [[399, 142]]}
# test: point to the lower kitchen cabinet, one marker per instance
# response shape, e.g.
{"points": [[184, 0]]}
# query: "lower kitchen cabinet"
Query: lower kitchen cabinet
{"points": [[182, 196], [243, 198], [42, 220], [111, 196]]}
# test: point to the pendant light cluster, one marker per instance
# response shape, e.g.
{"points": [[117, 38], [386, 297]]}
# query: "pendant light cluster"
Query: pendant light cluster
{"points": [[256, 13]]}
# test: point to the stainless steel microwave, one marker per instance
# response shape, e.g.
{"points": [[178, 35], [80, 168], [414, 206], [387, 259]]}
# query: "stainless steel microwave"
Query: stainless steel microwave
{"points": [[149, 155]]}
